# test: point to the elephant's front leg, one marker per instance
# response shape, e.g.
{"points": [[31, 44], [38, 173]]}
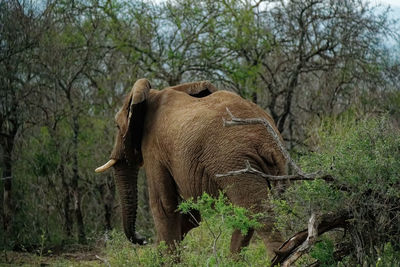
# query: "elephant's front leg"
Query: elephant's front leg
{"points": [[163, 198]]}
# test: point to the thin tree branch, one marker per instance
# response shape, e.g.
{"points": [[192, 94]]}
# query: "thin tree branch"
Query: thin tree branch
{"points": [[238, 121], [295, 177]]}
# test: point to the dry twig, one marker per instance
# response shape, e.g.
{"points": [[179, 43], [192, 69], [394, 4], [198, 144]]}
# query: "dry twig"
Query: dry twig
{"points": [[238, 121], [105, 261], [299, 174], [295, 177]]}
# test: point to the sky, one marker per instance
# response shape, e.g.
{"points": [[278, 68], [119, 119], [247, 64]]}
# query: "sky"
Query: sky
{"points": [[394, 14], [393, 3]]}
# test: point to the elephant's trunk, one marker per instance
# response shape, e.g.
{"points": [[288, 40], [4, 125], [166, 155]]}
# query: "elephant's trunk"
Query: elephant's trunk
{"points": [[126, 181]]}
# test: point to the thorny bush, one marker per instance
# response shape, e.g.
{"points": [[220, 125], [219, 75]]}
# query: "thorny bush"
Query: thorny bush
{"points": [[364, 157]]}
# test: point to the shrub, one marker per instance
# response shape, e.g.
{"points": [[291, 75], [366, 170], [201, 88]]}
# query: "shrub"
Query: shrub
{"points": [[207, 245], [220, 218], [364, 157]]}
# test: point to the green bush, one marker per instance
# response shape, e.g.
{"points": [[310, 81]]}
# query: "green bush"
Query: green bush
{"points": [[220, 209], [207, 245], [364, 157], [323, 252], [220, 218], [388, 257]]}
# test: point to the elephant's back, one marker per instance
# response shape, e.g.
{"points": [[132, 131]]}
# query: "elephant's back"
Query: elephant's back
{"points": [[222, 100]]}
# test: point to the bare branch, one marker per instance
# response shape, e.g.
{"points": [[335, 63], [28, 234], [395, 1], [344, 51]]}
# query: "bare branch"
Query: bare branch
{"points": [[194, 218], [296, 177], [299, 174], [237, 121]]}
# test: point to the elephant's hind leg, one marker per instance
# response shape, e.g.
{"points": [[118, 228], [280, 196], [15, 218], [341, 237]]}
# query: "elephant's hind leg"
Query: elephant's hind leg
{"points": [[239, 241], [252, 193], [272, 238]]}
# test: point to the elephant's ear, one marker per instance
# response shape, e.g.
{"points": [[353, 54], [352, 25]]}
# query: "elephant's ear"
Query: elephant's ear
{"points": [[131, 118], [196, 89]]}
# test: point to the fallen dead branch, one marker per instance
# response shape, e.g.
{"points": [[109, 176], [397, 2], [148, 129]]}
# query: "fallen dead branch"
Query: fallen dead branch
{"points": [[300, 243], [306, 245]]}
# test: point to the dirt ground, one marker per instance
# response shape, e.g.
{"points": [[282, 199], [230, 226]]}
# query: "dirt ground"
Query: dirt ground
{"points": [[70, 258]]}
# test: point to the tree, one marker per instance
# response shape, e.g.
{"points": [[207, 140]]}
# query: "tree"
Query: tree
{"points": [[169, 42], [306, 58], [20, 32]]}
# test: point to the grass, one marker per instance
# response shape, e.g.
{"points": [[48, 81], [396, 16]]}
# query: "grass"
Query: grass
{"points": [[12, 258], [207, 245], [195, 250]]}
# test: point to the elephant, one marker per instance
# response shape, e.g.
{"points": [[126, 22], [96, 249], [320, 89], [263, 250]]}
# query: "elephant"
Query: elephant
{"points": [[177, 136]]}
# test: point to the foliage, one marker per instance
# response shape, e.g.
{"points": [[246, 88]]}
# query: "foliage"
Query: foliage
{"points": [[217, 213], [323, 252], [207, 245], [221, 209], [66, 65], [388, 256], [363, 156], [120, 252], [193, 251]]}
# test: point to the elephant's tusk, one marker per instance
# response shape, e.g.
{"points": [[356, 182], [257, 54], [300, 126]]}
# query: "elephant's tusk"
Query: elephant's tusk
{"points": [[106, 166]]}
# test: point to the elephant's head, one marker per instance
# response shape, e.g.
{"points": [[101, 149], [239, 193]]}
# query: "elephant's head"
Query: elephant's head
{"points": [[126, 156]]}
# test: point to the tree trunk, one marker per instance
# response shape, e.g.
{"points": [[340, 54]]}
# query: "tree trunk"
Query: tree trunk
{"points": [[8, 205], [66, 203], [74, 184], [107, 194], [7, 193]]}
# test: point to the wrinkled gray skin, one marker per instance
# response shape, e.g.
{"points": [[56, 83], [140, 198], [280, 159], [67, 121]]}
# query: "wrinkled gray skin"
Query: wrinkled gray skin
{"points": [[178, 136]]}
